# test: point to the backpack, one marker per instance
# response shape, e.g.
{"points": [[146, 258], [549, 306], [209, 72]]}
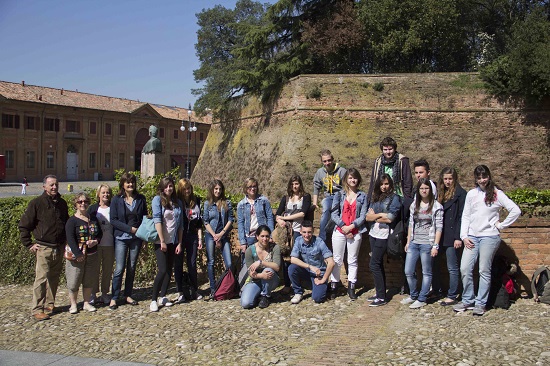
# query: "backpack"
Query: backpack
{"points": [[226, 286], [540, 285], [503, 286]]}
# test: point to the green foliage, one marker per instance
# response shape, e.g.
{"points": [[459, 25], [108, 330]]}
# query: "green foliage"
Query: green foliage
{"points": [[467, 82], [365, 85], [314, 93], [532, 201], [378, 86]]}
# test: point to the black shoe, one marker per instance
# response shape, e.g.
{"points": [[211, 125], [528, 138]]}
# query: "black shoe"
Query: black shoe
{"points": [[372, 298], [378, 302], [333, 290], [351, 291], [264, 302]]}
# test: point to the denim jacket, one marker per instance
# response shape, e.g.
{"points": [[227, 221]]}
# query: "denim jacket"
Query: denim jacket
{"points": [[360, 210], [264, 213], [210, 215], [382, 207], [158, 213]]}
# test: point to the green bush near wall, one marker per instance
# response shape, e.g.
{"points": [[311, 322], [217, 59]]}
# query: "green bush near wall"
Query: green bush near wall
{"points": [[17, 264]]}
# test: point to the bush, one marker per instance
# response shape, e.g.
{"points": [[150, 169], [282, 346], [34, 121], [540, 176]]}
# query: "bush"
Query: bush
{"points": [[378, 86], [531, 201], [314, 93]]}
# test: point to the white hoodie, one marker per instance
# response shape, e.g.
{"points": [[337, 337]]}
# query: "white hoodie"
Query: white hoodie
{"points": [[479, 219]]}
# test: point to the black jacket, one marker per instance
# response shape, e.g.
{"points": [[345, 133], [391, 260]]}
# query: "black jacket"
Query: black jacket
{"points": [[452, 216], [45, 219]]}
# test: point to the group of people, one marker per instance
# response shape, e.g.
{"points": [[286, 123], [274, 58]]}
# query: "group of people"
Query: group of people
{"points": [[439, 217]]}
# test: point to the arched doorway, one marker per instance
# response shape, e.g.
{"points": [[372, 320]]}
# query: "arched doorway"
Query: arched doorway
{"points": [[142, 136], [72, 163]]}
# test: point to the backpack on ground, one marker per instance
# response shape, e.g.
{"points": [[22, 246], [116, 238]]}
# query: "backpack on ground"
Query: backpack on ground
{"points": [[226, 286], [503, 288], [540, 285]]}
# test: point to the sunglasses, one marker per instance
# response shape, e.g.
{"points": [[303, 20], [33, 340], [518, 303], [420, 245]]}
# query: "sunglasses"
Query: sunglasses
{"points": [[82, 202]]}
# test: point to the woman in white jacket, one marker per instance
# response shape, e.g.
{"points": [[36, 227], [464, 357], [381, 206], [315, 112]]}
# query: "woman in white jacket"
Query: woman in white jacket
{"points": [[480, 232]]}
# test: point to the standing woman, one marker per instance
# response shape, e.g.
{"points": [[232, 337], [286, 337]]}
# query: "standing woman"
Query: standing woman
{"points": [[292, 210], [425, 227], [480, 232], [127, 210], [168, 222], [452, 196], [383, 211], [263, 260], [106, 248], [349, 208], [252, 211], [83, 234], [192, 239], [218, 219]]}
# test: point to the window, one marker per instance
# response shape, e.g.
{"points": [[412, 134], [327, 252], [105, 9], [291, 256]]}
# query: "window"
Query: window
{"points": [[93, 128], [31, 123], [10, 120], [91, 161], [108, 129], [72, 126], [122, 129], [51, 124], [201, 136], [121, 160], [50, 157], [30, 159], [10, 159], [175, 134], [161, 132], [107, 160]]}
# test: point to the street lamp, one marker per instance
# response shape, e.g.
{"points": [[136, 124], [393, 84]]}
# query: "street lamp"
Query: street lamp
{"points": [[192, 128]]}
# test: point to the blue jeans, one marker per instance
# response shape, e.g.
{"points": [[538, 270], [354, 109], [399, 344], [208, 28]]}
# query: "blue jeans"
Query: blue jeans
{"points": [[253, 289], [297, 274], [326, 205], [453, 266], [126, 255], [211, 255], [485, 248], [424, 252]]}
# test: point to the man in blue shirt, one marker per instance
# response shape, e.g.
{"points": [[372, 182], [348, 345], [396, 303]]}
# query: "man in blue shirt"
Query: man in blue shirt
{"points": [[310, 259]]}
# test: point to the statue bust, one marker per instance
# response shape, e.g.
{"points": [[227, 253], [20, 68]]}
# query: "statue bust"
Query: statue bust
{"points": [[154, 144]]}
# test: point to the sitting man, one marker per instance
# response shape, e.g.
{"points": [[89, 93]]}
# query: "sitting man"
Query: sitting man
{"points": [[310, 259]]}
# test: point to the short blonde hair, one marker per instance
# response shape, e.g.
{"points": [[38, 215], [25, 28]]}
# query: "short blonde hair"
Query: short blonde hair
{"points": [[98, 191]]}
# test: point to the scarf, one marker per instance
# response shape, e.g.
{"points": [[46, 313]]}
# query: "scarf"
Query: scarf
{"points": [[394, 162]]}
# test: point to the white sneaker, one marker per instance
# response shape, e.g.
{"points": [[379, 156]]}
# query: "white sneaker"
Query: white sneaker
{"points": [[296, 298], [165, 302], [154, 306], [89, 307], [73, 310], [417, 304], [407, 301]]}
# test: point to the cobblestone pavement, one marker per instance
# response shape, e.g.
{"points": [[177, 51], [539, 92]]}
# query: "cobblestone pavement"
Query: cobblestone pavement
{"points": [[337, 332]]}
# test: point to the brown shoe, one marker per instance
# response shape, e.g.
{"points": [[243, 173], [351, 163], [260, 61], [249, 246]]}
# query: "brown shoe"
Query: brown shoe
{"points": [[49, 309], [40, 316]]}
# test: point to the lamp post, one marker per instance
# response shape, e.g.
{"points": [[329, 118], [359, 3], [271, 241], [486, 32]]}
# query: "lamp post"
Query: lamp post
{"points": [[192, 128]]}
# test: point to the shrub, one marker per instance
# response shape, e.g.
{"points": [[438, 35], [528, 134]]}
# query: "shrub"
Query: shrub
{"points": [[314, 93], [378, 86], [365, 85], [531, 201]]}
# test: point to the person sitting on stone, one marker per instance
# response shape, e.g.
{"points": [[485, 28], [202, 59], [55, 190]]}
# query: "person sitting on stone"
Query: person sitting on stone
{"points": [[310, 259]]}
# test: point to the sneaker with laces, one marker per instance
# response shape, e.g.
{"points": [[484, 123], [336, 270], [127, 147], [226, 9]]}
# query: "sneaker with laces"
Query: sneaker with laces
{"points": [[407, 301], [93, 300], [372, 298], [154, 307], [461, 306], [478, 310], [296, 298], [378, 302], [180, 299], [89, 307], [264, 302], [73, 309], [165, 302], [417, 304]]}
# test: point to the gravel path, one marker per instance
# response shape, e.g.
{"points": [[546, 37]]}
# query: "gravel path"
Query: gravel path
{"points": [[35, 188], [336, 332]]}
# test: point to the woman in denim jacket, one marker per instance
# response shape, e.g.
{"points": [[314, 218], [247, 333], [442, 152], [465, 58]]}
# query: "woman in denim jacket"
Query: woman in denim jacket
{"points": [[167, 217], [217, 216], [384, 209], [349, 209], [253, 211]]}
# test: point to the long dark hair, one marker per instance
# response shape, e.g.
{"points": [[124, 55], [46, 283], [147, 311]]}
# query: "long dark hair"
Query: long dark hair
{"points": [[167, 201], [482, 171], [222, 201], [289, 191], [418, 198], [446, 193], [377, 194], [127, 177]]}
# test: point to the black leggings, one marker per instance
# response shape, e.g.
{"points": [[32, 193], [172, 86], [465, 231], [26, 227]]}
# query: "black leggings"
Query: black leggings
{"points": [[378, 248], [165, 264]]}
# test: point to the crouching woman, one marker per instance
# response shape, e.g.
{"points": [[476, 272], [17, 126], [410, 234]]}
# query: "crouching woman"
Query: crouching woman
{"points": [[263, 260]]}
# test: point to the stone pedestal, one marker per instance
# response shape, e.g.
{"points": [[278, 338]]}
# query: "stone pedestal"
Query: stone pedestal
{"points": [[152, 164]]}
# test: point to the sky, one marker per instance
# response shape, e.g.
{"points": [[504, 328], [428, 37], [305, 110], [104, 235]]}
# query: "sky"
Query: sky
{"points": [[134, 49]]}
